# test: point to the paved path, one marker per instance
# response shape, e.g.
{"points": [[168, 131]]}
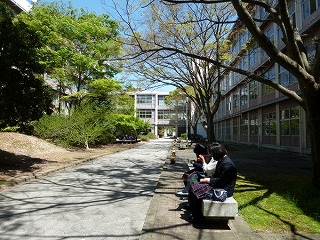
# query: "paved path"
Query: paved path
{"points": [[167, 220], [104, 199]]}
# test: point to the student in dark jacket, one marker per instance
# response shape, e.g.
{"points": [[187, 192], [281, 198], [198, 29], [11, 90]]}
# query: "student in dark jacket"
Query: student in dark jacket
{"points": [[224, 177]]}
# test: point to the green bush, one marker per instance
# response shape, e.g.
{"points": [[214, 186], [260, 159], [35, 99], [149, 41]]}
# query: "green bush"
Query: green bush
{"points": [[183, 136], [151, 135], [51, 127], [10, 129], [147, 137], [88, 125], [144, 138], [83, 127]]}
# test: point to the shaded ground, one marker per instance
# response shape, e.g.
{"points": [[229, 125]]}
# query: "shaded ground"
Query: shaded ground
{"points": [[251, 160], [23, 157]]}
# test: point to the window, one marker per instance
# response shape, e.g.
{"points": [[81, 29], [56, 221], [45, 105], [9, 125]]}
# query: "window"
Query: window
{"points": [[263, 53], [254, 126], [161, 101], [263, 13], [144, 99], [243, 96], [243, 38], [228, 129], [292, 13], [144, 113], [222, 109], [244, 63], [286, 78], [311, 51], [228, 104], [270, 34], [280, 35], [253, 90], [234, 48], [235, 100], [308, 7], [234, 78], [273, 3], [269, 124], [271, 76], [253, 55], [244, 126], [235, 126], [283, 76], [165, 114], [289, 122]]}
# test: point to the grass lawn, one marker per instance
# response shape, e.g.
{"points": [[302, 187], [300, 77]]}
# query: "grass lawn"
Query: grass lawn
{"points": [[279, 204]]}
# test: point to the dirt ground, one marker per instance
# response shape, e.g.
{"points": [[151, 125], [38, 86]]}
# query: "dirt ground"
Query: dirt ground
{"points": [[24, 157]]}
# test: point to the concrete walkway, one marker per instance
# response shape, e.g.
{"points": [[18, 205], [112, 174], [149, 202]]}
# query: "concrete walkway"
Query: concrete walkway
{"points": [[129, 195], [104, 199], [166, 218]]}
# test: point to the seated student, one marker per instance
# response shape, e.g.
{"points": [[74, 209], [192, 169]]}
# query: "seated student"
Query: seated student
{"points": [[199, 149], [224, 177], [205, 166]]}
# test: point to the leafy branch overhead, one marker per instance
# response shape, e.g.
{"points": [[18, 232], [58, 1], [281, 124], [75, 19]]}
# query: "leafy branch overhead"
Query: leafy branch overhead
{"points": [[77, 44], [295, 51]]}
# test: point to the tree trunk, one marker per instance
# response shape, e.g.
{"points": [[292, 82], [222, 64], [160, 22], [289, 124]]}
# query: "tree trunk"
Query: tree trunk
{"points": [[313, 117], [87, 144], [210, 130]]}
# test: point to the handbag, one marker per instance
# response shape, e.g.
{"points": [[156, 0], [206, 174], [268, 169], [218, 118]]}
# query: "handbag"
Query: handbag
{"points": [[200, 189], [216, 194], [188, 174]]}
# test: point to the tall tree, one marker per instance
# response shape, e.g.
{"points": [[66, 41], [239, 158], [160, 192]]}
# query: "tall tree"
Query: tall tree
{"points": [[78, 44], [23, 95], [294, 59], [176, 30]]}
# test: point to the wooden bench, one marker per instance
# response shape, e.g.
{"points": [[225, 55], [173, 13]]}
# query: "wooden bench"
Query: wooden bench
{"points": [[220, 210], [127, 141]]}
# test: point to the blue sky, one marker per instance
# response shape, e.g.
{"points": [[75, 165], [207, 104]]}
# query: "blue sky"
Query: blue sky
{"points": [[96, 6], [100, 7]]}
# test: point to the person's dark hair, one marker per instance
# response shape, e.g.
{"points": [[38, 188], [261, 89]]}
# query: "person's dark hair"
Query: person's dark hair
{"points": [[199, 149], [217, 151]]}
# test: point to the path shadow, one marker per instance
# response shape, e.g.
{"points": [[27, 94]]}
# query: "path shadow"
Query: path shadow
{"points": [[10, 163]]}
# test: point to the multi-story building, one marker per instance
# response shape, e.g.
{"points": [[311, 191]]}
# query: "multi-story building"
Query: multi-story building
{"points": [[19, 5], [150, 106], [254, 113]]}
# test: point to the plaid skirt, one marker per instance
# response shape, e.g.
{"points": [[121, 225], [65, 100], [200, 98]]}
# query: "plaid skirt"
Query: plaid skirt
{"points": [[200, 189]]}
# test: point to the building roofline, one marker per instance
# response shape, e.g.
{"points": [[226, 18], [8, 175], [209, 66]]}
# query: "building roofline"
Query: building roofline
{"points": [[19, 5]]}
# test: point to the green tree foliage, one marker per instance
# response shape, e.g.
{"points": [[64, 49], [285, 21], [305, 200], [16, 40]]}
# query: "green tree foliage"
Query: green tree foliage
{"points": [[23, 95], [105, 111], [291, 55], [163, 52], [78, 44], [129, 125], [86, 125]]}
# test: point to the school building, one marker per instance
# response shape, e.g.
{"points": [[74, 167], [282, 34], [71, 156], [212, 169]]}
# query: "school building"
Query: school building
{"points": [[254, 113], [164, 120]]}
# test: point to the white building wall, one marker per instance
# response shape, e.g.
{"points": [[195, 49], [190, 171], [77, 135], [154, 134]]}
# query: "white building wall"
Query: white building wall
{"points": [[154, 107], [20, 5]]}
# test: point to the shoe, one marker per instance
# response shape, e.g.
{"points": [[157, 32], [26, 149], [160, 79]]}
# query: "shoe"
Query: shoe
{"points": [[187, 207], [182, 194], [196, 220]]}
